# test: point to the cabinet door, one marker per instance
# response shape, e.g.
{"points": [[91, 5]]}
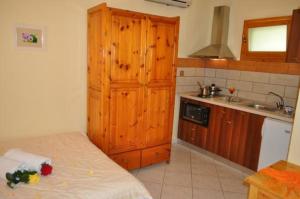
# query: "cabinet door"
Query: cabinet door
{"points": [[128, 36], [158, 120], [217, 116], [161, 51], [239, 137], [253, 141], [125, 119], [226, 133]]}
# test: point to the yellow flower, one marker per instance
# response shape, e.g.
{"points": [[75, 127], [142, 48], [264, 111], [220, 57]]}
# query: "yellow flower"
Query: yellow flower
{"points": [[34, 179]]}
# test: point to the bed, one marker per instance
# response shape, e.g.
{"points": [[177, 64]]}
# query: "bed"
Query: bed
{"points": [[81, 170]]}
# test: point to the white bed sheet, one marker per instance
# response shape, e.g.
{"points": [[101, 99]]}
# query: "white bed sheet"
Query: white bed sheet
{"points": [[81, 170]]}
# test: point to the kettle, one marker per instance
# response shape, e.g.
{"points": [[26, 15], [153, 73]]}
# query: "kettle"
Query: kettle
{"points": [[204, 91]]}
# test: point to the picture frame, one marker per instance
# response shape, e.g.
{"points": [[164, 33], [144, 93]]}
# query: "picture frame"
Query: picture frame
{"points": [[29, 37]]}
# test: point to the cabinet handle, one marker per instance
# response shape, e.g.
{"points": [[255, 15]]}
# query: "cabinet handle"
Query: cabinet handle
{"points": [[228, 122]]}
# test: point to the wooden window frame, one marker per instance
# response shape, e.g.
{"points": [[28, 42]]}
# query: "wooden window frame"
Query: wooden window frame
{"points": [[267, 55]]}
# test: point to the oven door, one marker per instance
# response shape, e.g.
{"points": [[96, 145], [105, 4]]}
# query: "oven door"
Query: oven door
{"points": [[195, 113]]}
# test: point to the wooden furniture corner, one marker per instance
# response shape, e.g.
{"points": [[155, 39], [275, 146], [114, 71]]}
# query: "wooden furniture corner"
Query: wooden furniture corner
{"points": [[279, 181]]}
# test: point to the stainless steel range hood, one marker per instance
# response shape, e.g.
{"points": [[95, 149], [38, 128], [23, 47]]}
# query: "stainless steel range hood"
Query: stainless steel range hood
{"points": [[218, 48]]}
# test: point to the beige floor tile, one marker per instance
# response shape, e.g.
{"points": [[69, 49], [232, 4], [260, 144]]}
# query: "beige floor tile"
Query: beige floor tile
{"points": [[179, 179], [206, 182], [204, 169], [207, 194], [233, 185], [176, 192], [178, 167], [154, 189], [180, 148], [181, 158], [199, 158], [227, 172], [154, 173], [230, 195]]}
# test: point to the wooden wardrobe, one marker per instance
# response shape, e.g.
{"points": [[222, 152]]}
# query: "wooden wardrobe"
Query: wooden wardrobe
{"points": [[131, 84]]}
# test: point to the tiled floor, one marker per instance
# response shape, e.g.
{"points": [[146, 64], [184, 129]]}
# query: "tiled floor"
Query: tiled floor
{"points": [[191, 175]]}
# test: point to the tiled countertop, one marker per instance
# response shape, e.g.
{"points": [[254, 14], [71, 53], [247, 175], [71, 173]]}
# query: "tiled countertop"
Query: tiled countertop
{"points": [[239, 106]]}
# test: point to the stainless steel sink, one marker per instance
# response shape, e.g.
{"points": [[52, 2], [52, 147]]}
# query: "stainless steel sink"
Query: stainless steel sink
{"points": [[262, 107]]}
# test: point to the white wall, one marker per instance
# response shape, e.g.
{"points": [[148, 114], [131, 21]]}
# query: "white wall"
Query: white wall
{"points": [[42, 91], [294, 152]]}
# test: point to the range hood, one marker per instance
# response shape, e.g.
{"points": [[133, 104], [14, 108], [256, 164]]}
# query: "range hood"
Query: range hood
{"points": [[218, 49]]}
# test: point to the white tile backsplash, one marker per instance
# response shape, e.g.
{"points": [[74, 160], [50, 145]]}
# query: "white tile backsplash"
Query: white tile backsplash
{"points": [[217, 81], [188, 72], [210, 72], [291, 92], [187, 80], [255, 76], [228, 74], [266, 88], [251, 85], [239, 85], [200, 72], [286, 80]]}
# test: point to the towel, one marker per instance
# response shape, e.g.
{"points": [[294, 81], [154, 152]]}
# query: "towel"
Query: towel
{"points": [[33, 162], [8, 165]]}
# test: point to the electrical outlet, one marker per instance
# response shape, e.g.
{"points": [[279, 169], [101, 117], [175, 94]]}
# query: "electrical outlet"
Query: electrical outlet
{"points": [[181, 73]]}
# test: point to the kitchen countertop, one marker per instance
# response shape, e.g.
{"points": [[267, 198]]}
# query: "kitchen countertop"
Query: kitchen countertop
{"points": [[241, 106]]}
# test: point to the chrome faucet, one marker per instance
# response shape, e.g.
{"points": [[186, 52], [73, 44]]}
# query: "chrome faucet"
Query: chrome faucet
{"points": [[280, 105]]}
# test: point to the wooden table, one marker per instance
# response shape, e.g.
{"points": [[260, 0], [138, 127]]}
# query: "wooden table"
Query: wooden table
{"points": [[281, 180]]}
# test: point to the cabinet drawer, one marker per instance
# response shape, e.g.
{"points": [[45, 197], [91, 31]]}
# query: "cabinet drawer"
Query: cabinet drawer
{"points": [[156, 154], [130, 160]]}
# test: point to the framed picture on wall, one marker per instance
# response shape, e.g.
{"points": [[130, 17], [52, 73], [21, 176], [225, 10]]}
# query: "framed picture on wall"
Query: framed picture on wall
{"points": [[29, 37]]}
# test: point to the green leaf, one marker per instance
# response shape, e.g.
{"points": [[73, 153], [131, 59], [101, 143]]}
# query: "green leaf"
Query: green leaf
{"points": [[11, 185], [9, 176]]}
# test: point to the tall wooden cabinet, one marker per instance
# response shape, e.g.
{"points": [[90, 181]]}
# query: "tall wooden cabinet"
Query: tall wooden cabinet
{"points": [[131, 84]]}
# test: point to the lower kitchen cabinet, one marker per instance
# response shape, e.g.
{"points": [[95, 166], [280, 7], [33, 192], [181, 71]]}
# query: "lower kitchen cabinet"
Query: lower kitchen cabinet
{"points": [[192, 133], [232, 134]]}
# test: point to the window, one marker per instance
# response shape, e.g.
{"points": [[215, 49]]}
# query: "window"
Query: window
{"points": [[265, 39]]}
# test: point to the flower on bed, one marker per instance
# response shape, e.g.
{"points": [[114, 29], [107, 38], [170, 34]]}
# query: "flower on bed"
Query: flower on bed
{"points": [[46, 169], [22, 176]]}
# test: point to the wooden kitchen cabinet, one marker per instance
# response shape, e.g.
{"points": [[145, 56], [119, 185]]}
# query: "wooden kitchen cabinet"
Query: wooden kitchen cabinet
{"points": [[131, 84], [293, 51], [193, 133], [232, 134]]}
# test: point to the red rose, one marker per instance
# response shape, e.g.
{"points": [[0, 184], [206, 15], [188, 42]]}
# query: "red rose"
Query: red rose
{"points": [[46, 169]]}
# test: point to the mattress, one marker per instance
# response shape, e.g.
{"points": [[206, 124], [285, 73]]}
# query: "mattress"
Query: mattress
{"points": [[81, 170]]}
